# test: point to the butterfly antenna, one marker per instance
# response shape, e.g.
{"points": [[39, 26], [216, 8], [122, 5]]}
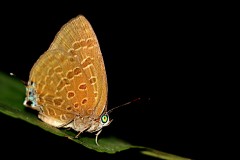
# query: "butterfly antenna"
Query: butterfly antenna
{"points": [[137, 99]]}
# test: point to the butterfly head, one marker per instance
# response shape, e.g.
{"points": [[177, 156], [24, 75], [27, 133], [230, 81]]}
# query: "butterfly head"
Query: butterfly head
{"points": [[99, 123]]}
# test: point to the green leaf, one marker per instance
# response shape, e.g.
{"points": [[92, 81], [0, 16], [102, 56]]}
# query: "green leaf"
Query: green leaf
{"points": [[161, 155], [11, 103]]}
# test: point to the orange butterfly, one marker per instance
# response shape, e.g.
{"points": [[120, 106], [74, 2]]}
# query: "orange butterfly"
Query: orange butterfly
{"points": [[68, 83]]}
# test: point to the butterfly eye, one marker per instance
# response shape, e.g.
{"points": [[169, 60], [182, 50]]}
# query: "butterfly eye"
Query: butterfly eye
{"points": [[104, 118]]}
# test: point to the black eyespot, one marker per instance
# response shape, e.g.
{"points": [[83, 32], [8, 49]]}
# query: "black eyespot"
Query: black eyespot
{"points": [[29, 103]]}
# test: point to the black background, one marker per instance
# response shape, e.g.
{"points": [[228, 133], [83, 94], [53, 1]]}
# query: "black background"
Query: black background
{"points": [[158, 52]]}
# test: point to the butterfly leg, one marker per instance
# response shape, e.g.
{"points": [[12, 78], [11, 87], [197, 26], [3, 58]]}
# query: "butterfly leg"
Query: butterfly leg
{"points": [[78, 134], [81, 132], [96, 138]]}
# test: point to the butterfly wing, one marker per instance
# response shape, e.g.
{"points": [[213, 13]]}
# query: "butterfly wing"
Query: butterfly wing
{"points": [[71, 74], [51, 88], [78, 40]]}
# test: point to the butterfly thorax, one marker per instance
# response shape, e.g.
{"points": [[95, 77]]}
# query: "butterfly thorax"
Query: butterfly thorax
{"points": [[88, 124]]}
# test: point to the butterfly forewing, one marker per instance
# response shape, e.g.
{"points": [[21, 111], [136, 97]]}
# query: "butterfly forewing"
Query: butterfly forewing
{"points": [[78, 40]]}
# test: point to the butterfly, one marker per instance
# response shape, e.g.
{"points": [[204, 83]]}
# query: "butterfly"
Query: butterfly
{"points": [[68, 83]]}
